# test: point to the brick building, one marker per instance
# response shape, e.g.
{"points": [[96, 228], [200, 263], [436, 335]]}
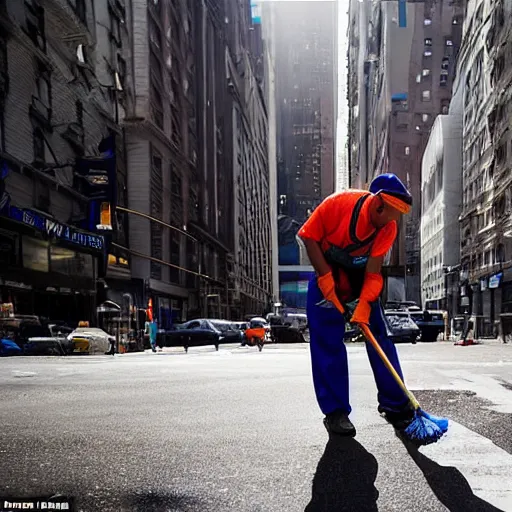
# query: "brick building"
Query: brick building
{"points": [[61, 93], [402, 58]]}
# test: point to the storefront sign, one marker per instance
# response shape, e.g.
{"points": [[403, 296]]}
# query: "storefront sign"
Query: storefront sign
{"points": [[495, 281], [55, 229]]}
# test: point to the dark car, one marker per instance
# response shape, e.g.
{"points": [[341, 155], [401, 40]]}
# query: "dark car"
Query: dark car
{"points": [[403, 328], [202, 332], [35, 338], [430, 323]]}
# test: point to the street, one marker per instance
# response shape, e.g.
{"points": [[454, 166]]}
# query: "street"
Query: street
{"points": [[238, 430]]}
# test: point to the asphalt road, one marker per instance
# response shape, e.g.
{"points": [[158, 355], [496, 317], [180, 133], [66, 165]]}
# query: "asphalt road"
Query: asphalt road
{"points": [[238, 430]]}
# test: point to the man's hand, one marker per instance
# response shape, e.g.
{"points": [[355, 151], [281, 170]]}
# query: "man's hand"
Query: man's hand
{"points": [[328, 287], [362, 313]]}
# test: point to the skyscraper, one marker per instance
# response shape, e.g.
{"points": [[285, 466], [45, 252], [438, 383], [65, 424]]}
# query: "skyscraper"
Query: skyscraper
{"points": [[301, 36], [305, 64]]}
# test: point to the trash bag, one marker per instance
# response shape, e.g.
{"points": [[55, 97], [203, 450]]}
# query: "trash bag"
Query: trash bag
{"points": [[9, 348]]}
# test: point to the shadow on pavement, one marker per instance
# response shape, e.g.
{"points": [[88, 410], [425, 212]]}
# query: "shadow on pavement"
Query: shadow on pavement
{"points": [[345, 478], [449, 484]]}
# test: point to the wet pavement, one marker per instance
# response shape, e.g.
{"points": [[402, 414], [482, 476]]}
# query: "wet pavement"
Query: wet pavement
{"points": [[238, 430]]}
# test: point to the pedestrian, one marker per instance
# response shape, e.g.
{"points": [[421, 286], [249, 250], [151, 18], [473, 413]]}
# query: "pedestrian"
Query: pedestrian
{"points": [[347, 237], [152, 330]]}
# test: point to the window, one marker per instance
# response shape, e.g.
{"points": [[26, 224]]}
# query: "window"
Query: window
{"points": [[157, 110], [426, 72], [443, 80], [428, 41], [418, 79], [425, 118], [38, 146], [79, 108], [121, 70], [425, 96], [449, 42], [35, 254], [407, 150], [154, 33], [427, 22], [80, 9], [35, 23], [445, 106], [156, 209], [115, 28], [427, 53]]}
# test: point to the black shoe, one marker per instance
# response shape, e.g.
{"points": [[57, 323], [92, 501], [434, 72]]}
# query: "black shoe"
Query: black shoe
{"points": [[399, 419], [337, 422]]}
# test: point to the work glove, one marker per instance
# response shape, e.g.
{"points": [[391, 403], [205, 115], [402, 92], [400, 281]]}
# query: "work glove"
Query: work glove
{"points": [[362, 313], [328, 287]]}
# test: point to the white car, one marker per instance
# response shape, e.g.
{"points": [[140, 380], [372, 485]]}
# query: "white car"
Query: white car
{"points": [[90, 340]]}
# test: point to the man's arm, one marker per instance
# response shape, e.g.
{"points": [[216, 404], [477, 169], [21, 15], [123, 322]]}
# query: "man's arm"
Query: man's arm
{"points": [[316, 257], [325, 278], [374, 265]]}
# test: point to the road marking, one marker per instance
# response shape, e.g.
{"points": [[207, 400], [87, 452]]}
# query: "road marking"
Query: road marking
{"points": [[485, 466], [485, 386], [18, 373]]}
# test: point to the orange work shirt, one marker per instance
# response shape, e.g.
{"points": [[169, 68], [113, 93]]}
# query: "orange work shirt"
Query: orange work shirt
{"points": [[329, 225]]}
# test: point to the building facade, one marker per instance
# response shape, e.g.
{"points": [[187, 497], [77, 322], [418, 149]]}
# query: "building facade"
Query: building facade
{"points": [[487, 201], [301, 37], [305, 63], [401, 67], [197, 145], [441, 206], [61, 91]]}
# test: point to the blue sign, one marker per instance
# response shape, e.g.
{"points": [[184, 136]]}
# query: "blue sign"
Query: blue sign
{"points": [[256, 13], [55, 229], [494, 281], [402, 13]]}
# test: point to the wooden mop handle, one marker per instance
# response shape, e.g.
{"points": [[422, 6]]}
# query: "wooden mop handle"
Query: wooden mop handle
{"points": [[371, 338]]}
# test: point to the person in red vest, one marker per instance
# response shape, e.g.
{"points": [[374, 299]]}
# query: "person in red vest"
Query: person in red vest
{"points": [[346, 238]]}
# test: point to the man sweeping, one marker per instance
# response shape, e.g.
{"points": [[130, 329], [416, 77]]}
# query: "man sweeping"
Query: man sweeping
{"points": [[347, 237]]}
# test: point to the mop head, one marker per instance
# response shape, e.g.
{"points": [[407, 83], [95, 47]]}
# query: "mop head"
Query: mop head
{"points": [[426, 429]]}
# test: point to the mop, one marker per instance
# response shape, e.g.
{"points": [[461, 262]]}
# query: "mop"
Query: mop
{"points": [[424, 428]]}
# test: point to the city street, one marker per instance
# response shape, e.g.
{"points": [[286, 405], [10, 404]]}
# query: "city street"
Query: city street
{"points": [[238, 430]]}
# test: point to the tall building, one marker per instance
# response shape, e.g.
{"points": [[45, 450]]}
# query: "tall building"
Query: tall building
{"points": [[197, 158], [300, 37], [306, 64], [441, 206], [486, 246], [163, 156], [401, 67], [342, 167], [62, 90], [270, 95]]}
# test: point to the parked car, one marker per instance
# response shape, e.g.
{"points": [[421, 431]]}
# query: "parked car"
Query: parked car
{"points": [[90, 340], [402, 326], [202, 332], [34, 337], [430, 323], [47, 340]]}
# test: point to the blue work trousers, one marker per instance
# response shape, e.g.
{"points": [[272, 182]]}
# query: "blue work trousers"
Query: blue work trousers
{"points": [[329, 356]]}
